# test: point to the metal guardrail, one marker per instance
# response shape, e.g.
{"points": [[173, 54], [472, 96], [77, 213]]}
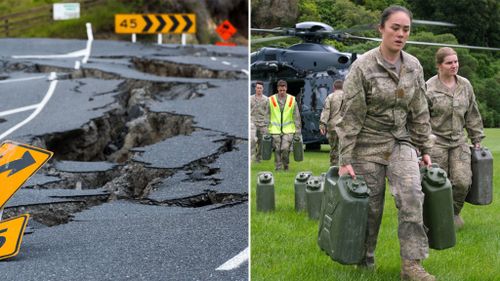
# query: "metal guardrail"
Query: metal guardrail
{"points": [[13, 24]]}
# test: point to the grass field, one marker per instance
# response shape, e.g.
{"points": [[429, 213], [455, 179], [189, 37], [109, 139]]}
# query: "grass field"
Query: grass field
{"points": [[284, 247]]}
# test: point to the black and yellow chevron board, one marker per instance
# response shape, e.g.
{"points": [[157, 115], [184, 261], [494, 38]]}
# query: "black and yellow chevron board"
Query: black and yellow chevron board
{"points": [[155, 23]]}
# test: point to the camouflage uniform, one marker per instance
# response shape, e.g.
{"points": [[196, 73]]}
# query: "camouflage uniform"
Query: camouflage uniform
{"points": [[258, 109], [282, 143], [253, 140], [451, 111], [383, 116], [328, 120]]}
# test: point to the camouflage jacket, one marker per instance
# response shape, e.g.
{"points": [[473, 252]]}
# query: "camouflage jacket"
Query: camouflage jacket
{"points": [[331, 108], [381, 108], [258, 110], [453, 110], [296, 113]]}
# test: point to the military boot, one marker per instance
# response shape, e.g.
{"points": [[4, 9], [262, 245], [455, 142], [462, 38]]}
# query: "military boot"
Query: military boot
{"points": [[459, 222], [412, 270], [368, 264]]}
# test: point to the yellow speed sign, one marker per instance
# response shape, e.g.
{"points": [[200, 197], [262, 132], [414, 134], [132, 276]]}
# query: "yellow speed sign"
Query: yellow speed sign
{"points": [[11, 235], [155, 23]]}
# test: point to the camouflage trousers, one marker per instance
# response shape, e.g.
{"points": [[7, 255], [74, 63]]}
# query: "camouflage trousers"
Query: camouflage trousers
{"points": [[333, 140], [256, 133], [253, 140], [404, 181], [456, 162], [282, 145]]}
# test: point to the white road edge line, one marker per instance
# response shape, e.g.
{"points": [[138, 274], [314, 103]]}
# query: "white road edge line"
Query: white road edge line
{"points": [[39, 107], [245, 71], [19, 109], [22, 79], [75, 54], [236, 261]]}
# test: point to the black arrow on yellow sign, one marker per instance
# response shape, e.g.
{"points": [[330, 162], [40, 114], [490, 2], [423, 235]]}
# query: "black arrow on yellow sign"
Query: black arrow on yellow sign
{"points": [[175, 21], [149, 23], [19, 164], [189, 23], [162, 23]]}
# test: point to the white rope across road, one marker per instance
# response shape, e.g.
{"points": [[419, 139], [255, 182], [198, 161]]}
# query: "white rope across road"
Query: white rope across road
{"points": [[236, 261], [19, 109], [75, 54], [38, 107], [85, 53], [90, 39]]}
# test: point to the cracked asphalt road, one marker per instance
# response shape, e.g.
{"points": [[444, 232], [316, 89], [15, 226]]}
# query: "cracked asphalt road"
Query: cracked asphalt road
{"points": [[126, 137]]}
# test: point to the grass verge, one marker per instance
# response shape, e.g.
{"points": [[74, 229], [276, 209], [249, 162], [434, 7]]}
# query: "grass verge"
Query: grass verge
{"points": [[100, 16], [284, 247]]}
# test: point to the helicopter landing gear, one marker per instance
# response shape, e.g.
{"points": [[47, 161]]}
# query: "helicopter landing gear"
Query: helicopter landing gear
{"points": [[313, 146]]}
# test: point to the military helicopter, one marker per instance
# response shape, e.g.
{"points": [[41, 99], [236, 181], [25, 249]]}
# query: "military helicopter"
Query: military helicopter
{"points": [[310, 67]]}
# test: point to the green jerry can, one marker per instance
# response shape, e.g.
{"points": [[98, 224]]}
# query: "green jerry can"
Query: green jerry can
{"points": [[314, 196], [438, 207], [344, 217], [265, 192], [323, 177], [481, 190], [298, 149], [266, 147], [300, 190]]}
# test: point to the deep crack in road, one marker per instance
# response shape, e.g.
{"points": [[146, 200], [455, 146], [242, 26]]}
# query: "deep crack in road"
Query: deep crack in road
{"points": [[149, 175]]}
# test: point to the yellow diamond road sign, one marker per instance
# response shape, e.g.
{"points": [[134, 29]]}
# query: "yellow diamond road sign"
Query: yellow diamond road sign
{"points": [[155, 23], [11, 235], [18, 162]]}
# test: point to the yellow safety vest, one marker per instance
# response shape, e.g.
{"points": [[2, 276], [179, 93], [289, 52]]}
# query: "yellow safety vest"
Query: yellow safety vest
{"points": [[282, 122]]}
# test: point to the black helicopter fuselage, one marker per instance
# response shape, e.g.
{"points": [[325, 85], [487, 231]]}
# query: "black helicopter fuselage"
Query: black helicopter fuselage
{"points": [[310, 70]]}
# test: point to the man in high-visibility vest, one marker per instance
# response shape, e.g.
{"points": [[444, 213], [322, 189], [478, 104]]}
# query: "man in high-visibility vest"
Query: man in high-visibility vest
{"points": [[284, 124]]}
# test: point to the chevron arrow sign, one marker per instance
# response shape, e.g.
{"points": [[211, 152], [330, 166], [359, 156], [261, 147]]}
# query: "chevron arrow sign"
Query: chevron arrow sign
{"points": [[155, 23], [18, 162]]}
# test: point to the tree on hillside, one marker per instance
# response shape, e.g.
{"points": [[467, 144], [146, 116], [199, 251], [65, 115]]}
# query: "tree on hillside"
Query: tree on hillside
{"points": [[380, 5], [477, 23], [480, 67], [274, 13]]}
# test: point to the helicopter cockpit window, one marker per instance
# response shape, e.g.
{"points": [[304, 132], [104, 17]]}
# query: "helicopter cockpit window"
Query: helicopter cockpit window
{"points": [[330, 49], [270, 57], [307, 47]]}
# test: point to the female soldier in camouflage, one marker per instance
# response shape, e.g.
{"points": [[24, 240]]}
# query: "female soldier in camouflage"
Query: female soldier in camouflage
{"points": [[384, 118], [453, 107]]}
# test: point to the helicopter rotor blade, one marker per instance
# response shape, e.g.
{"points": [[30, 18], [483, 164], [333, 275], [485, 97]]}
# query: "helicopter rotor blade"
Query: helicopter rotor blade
{"points": [[430, 22], [364, 27], [267, 39], [452, 45], [426, 43], [276, 31], [374, 26]]}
